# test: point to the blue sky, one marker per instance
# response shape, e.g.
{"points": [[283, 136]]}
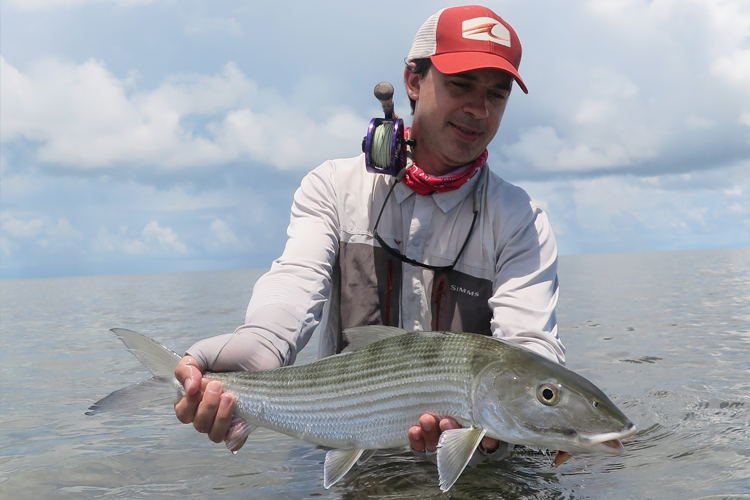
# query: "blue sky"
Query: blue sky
{"points": [[157, 136]]}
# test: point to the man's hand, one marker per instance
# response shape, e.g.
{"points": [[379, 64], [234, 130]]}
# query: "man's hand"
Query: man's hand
{"points": [[204, 404], [425, 436]]}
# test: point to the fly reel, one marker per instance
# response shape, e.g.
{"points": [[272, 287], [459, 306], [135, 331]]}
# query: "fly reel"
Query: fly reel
{"points": [[385, 144]]}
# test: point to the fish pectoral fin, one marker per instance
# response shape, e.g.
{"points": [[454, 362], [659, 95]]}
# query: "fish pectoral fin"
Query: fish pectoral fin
{"points": [[338, 463], [455, 448], [237, 434], [366, 455]]}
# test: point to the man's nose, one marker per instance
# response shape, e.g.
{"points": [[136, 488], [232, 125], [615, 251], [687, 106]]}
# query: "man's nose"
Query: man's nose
{"points": [[476, 105]]}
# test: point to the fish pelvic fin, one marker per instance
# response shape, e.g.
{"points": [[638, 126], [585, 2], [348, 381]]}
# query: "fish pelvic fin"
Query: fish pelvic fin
{"points": [[151, 392], [455, 448], [366, 455], [237, 434], [159, 360], [338, 463]]}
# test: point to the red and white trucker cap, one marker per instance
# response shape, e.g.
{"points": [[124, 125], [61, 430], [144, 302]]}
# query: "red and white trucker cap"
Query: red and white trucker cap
{"points": [[459, 39]]}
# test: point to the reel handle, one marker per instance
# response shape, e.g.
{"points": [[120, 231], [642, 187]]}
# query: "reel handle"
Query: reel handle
{"points": [[384, 93]]}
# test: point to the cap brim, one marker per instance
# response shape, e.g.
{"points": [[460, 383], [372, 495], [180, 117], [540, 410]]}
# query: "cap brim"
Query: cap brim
{"points": [[460, 62]]}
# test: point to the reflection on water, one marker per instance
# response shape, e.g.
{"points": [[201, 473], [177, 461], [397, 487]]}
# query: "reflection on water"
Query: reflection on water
{"points": [[666, 335]]}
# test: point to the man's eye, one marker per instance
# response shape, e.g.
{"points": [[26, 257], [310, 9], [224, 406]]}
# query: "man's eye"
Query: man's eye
{"points": [[460, 85]]}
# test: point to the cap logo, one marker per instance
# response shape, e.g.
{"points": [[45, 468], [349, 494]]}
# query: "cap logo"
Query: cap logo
{"points": [[486, 29]]}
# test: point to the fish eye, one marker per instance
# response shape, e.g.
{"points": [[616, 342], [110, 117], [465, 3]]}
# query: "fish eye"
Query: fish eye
{"points": [[595, 403], [548, 394]]}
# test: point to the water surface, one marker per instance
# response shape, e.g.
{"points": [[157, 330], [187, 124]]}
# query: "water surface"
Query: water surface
{"points": [[665, 335]]}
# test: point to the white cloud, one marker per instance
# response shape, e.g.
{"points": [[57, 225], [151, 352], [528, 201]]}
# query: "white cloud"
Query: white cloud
{"points": [[157, 240], [85, 117], [166, 238], [60, 234], [698, 214], [213, 26], [223, 232], [697, 122], [543, 150], [41, 230], [736, 208], [734, 68], [594, 111], [735, 191], [225, 238], [35, 5], [626, 213], [654, 97], [23, 229]]}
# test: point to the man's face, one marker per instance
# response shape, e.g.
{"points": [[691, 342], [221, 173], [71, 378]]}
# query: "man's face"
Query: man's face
{"points": [[456, 116]]}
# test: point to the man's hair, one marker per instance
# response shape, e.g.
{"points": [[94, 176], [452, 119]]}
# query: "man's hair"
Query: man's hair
{"points": [[418, 67]]}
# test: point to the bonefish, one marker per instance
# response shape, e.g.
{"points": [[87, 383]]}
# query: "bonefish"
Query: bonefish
{"points": [[367, 399]]}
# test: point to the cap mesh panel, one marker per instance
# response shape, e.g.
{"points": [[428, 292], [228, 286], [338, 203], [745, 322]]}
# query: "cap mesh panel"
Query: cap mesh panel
{"points": [[425, 41]]}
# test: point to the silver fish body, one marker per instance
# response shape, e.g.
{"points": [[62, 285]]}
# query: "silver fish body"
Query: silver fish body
{"points": [[367, 399]]}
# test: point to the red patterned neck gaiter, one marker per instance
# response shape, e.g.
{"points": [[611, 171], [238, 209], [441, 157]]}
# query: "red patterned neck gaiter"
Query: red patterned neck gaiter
{"points": [[425, 184]]}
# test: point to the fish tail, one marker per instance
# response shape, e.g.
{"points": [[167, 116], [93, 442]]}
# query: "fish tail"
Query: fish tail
{"points": [[163, 388], [159, 360], [152, 392]]}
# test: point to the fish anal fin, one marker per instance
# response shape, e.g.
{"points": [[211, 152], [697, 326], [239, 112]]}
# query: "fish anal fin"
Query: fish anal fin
{"points": [[338, 463], [237, 434], [455, 448], [362, 336], [366, 455]]}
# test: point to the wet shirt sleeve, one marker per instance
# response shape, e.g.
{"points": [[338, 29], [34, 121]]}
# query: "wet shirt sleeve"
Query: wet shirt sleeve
{"points": [[288, 300]]}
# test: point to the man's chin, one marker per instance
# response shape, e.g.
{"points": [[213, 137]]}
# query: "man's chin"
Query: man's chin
{"points": [[463, 157]]}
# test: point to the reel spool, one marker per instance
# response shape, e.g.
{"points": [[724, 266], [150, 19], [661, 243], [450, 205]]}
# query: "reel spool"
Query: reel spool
{"points": [[385, 144]]}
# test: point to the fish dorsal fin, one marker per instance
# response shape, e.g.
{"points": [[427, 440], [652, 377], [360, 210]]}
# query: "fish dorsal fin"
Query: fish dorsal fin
{"points": [[338, 463], [455, 448], [362, 336], [160, 361]]}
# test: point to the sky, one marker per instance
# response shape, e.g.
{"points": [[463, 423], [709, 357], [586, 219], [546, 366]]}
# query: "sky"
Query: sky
{"points": [[142, 136]]}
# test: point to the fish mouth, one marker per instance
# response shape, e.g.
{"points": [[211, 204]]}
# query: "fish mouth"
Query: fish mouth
{"points": [[608, 442]]}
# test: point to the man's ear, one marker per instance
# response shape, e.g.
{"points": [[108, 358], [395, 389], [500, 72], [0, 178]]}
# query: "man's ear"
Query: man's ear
{"points": [[413, 83]]}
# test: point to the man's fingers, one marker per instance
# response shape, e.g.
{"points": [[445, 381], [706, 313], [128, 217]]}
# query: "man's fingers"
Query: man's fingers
{"points": [[209, 405], [430, 431], [187, 407], [448, 423], [490, 445], [415, 439], [223, 419], [188, 375]]}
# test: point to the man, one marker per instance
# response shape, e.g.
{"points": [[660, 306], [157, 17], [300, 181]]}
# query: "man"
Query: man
{"points": [[456, 248]]}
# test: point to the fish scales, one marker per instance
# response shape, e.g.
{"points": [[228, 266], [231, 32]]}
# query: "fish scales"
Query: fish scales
{"points": [[365, 399]]}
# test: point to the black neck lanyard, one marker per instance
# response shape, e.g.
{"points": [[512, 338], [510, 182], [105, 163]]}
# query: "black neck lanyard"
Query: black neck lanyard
{"points": [[394, 252]]}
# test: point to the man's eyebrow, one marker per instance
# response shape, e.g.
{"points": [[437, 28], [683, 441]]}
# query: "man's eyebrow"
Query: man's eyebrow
{"points": [[506, 85]]}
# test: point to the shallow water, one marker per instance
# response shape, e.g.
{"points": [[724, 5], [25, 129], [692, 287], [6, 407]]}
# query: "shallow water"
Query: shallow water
{"points": [[665, 335]]}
